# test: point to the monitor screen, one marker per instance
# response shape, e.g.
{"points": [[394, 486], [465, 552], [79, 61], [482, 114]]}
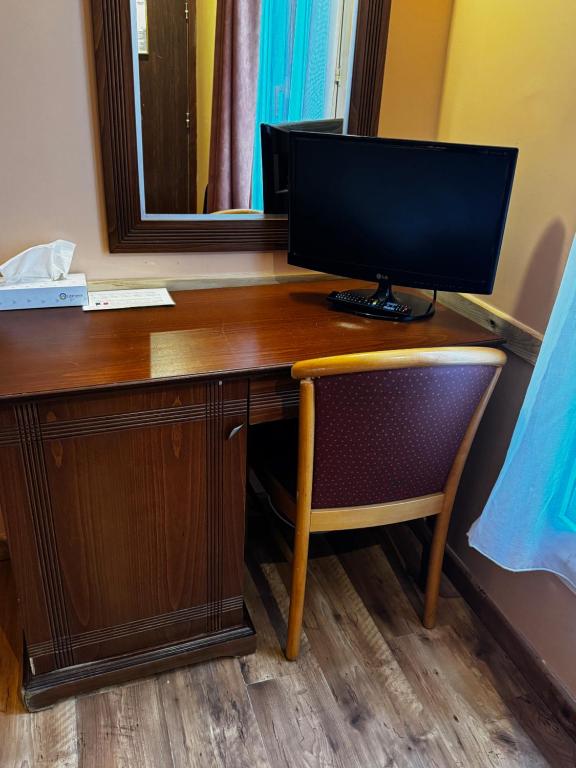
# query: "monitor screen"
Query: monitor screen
{"points": [[422, 214]]}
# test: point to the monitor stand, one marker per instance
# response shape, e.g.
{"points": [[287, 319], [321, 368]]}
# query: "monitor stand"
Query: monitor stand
{"points": [[384, 303]]}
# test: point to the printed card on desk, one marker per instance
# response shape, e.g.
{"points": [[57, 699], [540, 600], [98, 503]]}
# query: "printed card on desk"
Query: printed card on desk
{"points": [[128, 299]]}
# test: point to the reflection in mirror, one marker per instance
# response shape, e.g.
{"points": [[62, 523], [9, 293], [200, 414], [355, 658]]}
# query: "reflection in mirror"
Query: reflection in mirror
{"points": [[208, 73]]}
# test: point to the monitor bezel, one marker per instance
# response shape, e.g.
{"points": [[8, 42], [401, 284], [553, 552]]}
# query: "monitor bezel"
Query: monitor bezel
{"points": [[407, 278]]}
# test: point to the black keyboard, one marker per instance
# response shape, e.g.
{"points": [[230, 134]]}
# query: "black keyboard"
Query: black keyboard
{"points": [[368, 305]]}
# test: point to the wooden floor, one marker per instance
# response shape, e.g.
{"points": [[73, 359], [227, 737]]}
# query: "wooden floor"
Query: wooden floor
{"points": [[371, 688]]}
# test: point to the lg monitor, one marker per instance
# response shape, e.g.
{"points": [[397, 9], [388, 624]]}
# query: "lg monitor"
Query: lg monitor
{"points": [[275, 151], [411, 213]]}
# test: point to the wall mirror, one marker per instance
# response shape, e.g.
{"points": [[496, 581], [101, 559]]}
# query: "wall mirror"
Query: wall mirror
{"points": [[184, 87]]}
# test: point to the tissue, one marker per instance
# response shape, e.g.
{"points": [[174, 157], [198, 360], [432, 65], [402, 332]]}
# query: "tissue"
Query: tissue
{"points": [[42, 262]]}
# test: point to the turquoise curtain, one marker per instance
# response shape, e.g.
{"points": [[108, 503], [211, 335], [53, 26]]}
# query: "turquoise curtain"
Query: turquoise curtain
{"points": [[529, 522], [293, 82]]}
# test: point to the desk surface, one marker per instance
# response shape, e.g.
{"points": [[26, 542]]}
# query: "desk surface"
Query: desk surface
{"points": [[208, 333]]}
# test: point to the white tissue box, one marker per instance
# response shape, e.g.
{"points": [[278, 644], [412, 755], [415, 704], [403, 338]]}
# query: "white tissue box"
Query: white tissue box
{"points": [[69, 291]]}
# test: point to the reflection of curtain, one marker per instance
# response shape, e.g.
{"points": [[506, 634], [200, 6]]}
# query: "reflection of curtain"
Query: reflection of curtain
{"points": [[293, 80], [234, 104], [529, 522]]}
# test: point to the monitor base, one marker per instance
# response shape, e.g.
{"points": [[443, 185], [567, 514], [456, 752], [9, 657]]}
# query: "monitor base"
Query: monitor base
{"points": [[384, 304]]}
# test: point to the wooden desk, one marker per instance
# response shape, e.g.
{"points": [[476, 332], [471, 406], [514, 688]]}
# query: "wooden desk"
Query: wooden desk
{"points": [[123, 472]]}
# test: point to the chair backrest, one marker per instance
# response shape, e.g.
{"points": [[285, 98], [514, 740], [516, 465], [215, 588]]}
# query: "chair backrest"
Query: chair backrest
{"points": [[388, 426]]}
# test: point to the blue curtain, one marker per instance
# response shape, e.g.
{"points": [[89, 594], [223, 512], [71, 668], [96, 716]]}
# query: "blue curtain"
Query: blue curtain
{"points": [[293, 82], [529, 522]]}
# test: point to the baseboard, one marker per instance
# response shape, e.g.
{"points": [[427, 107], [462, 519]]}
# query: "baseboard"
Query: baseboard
{"points": [[550, 690]]}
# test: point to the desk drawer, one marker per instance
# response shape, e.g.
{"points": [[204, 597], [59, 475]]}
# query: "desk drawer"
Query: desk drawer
{"points": [[273, 399]]}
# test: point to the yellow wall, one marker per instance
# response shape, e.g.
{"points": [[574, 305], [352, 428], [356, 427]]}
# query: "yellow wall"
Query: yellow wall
{"points": [[414, 74], [511, 80], [205, 42]]}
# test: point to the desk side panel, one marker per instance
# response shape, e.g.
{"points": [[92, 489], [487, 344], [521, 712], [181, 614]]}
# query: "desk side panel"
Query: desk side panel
{"points": [[21, 509]]}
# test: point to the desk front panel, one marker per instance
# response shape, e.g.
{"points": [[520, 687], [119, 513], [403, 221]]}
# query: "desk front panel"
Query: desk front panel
{"points": [[126, 518]]}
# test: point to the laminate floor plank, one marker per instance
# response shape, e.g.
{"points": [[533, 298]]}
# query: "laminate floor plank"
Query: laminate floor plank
{"points": [[210, 719], [481, 656], [475, 736], [55, 736], [439, 650], [301, 726], [124, 727]]}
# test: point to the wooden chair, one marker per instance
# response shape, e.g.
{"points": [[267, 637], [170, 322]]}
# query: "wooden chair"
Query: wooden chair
{"points": [[382, 438]]}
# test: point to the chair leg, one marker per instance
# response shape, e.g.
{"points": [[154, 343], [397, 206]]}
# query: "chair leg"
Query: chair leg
{"points": [[436, 558], [297, 591]]}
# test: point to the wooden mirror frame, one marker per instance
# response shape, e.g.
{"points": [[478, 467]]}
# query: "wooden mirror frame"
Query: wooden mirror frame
{"points": [[127, 231]]}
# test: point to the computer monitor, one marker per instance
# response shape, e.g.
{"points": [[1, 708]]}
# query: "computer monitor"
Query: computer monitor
{"points": [[414, 213], [275, 166]]}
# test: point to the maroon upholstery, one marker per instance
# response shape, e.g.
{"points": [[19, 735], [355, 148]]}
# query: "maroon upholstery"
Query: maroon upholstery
{"points": [[389, 435]]}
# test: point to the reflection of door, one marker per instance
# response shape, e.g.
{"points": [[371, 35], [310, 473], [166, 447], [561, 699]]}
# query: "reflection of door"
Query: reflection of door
{"points": [[168, 100]]}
